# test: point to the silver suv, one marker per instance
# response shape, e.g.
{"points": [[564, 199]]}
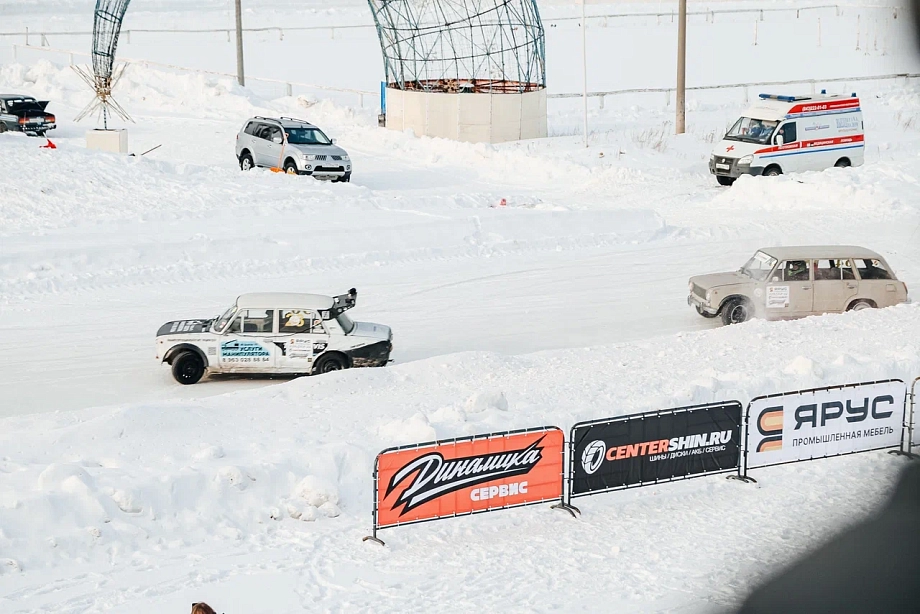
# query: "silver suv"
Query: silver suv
{"points": [[792, 282], [292, 145]]}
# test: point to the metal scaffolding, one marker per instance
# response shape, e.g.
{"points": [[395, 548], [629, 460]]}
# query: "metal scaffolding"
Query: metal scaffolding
{"points": [[108, 17], [461, 45]]}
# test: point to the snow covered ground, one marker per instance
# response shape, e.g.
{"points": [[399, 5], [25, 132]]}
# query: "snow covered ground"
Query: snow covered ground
{"points": [[122, 489]]}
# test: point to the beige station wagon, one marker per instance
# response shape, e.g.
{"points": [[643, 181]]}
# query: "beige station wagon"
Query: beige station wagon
{"points": [[792, 282]]}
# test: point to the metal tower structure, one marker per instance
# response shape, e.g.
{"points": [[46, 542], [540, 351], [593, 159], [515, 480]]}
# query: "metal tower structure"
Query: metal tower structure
{"points": [[461, 45], [108, 17]]}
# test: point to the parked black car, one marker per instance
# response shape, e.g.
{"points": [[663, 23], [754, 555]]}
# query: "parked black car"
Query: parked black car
{"points": [[25, 114]]}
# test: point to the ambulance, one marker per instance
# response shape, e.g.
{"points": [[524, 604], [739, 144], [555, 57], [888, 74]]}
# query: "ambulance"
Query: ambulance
{"points": [[789, 134]]}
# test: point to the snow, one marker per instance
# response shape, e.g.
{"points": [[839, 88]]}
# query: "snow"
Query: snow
{"points": [[121, 489]]}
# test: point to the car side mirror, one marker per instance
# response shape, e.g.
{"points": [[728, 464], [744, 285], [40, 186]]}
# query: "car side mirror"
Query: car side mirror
{"points": [[277, 140], [333, 141], [779, 139]]}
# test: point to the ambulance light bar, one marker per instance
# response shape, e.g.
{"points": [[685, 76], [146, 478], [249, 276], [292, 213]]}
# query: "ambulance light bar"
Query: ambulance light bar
{"points": [[783, 98]]}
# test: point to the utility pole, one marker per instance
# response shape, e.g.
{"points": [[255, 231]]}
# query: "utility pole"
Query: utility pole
{"points": [[584, 67], [681, 120], [239, 44]]}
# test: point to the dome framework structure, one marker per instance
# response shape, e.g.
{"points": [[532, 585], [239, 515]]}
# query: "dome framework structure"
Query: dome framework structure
{"points": [[107, 20], [461, 46]]}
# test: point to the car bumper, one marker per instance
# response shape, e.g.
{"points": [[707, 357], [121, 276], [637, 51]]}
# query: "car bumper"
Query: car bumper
{"points": [[324, 170], [373, 355], [36, 128], [729, 167], [700, 305]]}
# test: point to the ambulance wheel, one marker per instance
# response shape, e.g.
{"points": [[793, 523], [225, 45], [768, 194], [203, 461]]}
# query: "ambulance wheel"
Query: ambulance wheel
{"points": [[842, 163], [329, 363], [736, 311], [723, 180], [772, 171], [187, 368]]}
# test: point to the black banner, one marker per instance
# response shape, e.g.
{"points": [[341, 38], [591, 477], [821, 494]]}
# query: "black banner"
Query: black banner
{"points": [[655, 447]]}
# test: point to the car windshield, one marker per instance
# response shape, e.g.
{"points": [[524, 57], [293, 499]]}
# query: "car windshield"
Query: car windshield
{"points": [[307, 136], [345, 322], [750, 130], [222, 320], [759, 266]]}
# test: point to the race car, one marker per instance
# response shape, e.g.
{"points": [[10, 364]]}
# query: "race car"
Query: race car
{"points": [[25, 114], [274, 333]]}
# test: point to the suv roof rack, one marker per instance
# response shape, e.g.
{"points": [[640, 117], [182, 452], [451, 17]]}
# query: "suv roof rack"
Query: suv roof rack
{"points": [[294, 119]]}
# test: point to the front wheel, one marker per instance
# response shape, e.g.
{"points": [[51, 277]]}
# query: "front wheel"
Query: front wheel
{"points": [[723, 180], [773, 171], [187, 368], [290, 167], [842, 163], [328, 364], [736, 311]]}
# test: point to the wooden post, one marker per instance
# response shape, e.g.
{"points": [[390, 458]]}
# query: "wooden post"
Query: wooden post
{"points": [[681, 119], [240, 76]]}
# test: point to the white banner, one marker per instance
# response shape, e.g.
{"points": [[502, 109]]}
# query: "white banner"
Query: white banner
{"points": [[815, 424]]}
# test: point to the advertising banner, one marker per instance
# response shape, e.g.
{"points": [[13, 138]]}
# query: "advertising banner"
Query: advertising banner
{"points": [[655, 447], [825, 422], [466, 476]]}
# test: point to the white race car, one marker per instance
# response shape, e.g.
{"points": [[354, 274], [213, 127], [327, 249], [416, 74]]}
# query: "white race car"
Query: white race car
{"points": [[274, 332]]}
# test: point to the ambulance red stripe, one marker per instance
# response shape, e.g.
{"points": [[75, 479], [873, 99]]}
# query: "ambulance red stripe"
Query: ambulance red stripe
{"points": [[829, 105], [840, 140]]}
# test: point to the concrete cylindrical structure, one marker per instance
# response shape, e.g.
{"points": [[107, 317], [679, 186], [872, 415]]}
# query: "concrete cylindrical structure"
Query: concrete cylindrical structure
{"points": [[483, 117]]}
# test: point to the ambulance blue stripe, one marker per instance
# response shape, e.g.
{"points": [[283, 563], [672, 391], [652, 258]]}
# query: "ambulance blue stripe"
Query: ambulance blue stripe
{"points": [[813, 150]]}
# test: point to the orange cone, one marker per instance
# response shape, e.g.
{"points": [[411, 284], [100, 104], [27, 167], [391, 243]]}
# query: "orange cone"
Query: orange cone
{"points": [[50, 145]]}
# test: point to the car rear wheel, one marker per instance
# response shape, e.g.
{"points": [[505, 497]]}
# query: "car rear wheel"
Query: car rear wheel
{"points": [[246, 163], [736, 311], [860, 305], [723, 180], [842, 163], [2, 127], [187, 368], [329, 363]]}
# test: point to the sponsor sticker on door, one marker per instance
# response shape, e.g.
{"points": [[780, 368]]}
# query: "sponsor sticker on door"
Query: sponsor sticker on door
{"points": [[826, 422], [777, 297], [467, 476]]}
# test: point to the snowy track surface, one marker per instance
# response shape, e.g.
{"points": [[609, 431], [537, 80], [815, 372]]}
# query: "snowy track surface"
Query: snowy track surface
{"points": [[120, 489]]}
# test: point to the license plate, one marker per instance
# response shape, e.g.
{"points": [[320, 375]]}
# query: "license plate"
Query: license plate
{"points": [[37, 120], [723, 167]]}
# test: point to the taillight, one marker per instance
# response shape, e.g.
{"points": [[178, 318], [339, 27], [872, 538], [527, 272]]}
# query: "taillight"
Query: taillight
{"points": [[22, 120], [50, 118]]}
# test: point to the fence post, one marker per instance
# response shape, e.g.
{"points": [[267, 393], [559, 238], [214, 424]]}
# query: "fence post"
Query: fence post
{"points": [[857, 31], [128, 37], [71, 59], [819, 31], [44, 41], [288, 90], [601, 104], [27, 36], [755, 33], [14, 50]]}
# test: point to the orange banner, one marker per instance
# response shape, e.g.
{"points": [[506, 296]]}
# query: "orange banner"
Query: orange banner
{"points": [[463, 477]]}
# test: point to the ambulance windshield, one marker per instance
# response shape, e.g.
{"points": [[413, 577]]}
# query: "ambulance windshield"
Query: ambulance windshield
{"points": [[750, 130]]}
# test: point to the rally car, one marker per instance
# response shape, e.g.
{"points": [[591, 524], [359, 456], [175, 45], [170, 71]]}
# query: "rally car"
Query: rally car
{"points": [[25, 114], [274, 333]]}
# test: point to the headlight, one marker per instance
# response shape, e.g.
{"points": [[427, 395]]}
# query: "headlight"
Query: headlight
{"points": [[746, 159], [708, 295], [346, 158], [309, 156], [690, 286]]}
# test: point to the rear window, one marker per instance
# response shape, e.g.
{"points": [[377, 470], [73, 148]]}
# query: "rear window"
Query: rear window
{"points": [[872, 269]]}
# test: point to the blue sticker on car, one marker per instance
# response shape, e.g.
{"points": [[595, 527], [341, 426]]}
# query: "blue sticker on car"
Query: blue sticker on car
{"points": [[242, 349]]}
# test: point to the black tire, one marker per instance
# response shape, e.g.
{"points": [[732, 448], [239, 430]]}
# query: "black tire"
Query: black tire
{"points": [[704, 314], [187, 368], [2, 127], [773, 171], [329, 363], [842, 163], [246, 163], [723, 180], [736, 311], [290, 167], [860, 305]]}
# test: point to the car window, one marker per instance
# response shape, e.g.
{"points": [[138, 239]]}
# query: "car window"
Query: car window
{"points": [[793, 270], [846, 267], [788, 131], [253, 321], [831, 270], [274, 131], [295, 321], [252, 128], [871, 269], [263, 131]]}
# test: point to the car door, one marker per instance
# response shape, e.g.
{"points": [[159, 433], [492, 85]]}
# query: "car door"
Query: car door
{"points": [[248, 344], [262, 145], [835, 285], [301, 338], [789, 292]]}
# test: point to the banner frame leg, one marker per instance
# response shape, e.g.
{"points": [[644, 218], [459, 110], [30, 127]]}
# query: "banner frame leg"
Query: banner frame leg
{"points": [[373, 538], [568, 507], [742, 478], [909, 455]]}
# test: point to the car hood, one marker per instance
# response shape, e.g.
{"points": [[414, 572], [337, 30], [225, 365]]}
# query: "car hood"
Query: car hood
{"points": [[329, 150], [716, 280], [184, 327], [372, 331], [735, 149]]}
